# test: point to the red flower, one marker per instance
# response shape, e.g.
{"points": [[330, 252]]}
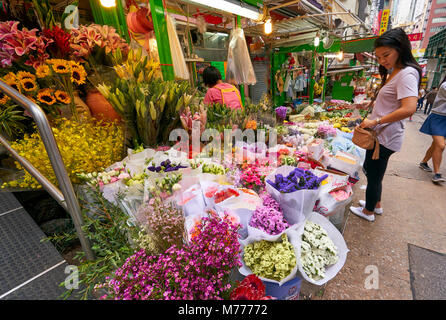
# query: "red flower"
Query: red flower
{"points": [[61, 45], [251, 288]]}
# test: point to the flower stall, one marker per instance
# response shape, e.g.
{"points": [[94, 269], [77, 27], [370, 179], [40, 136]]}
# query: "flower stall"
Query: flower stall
{"points": [[176, 204]]}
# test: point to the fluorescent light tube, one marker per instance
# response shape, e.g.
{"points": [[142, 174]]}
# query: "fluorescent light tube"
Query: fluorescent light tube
{"points": [[231, 7]]}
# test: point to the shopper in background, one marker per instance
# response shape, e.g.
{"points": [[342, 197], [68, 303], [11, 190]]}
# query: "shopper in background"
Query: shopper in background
{"points": [[395, 102], [430, 98], [421, 96], [220, 92], [435, 126]]}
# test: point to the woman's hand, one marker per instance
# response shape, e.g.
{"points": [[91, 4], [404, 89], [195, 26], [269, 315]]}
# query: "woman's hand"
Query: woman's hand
{"points": [[367, 123]]}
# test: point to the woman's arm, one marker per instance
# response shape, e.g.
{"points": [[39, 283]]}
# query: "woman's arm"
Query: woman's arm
{"points": [[408, 108]]}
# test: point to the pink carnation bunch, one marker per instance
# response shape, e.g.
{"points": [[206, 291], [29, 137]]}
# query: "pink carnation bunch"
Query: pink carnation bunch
{"points": [[198, 271], [269, 217], [251, 177]]}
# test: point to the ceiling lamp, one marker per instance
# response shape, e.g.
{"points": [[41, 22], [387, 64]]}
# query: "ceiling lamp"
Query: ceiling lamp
{"points": [[317, 41], [340, 56], [268, 26], [108, 3], [231, 7]]}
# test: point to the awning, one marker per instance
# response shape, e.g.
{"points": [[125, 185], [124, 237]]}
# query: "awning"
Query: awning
{"points": [[359, 45]]}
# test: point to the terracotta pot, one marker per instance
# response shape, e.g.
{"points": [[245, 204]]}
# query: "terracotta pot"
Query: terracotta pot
{"points": [[100, 108]]}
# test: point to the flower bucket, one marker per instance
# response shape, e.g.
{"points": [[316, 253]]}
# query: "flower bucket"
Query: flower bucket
{"points": [[100, 108], [290, 290]]}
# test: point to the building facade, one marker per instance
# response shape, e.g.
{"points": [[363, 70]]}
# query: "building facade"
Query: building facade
{"points": [[435, 20]]}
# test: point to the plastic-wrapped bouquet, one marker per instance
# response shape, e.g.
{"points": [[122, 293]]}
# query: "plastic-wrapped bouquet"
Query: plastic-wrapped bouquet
{"points": [[270, 260], [269, 217], [298, 179], [318, 251]]}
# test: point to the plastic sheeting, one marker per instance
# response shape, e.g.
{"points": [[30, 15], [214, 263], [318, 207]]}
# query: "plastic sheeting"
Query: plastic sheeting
{"points": [[179, 64], [239, 69]]}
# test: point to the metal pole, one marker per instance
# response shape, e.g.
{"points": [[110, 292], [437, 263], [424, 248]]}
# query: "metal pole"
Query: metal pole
{"points": [[53, 152]]}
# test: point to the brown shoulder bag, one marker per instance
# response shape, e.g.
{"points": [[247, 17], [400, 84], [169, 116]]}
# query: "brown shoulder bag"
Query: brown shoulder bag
{"points": [[366, 138]]}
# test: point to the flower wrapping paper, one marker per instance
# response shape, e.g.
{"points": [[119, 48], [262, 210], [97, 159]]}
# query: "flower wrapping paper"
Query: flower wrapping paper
{"points": [[339, 242], [293, 238], [296, 205]]}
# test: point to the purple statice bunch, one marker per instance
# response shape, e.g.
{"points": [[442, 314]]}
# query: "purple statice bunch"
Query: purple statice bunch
{"points": [[325, 131], [163, 222], [166, 166], [281, 112], [298, 179], [198, 271], [269, 217]]}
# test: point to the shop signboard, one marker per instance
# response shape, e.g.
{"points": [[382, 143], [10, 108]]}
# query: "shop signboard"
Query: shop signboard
{"points": [[415, 37], [384, 21]]}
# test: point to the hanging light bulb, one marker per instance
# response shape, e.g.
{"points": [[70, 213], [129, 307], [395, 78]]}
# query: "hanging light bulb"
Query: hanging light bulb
{"points": [[317, 41], [340, 56], [268, 26], [108, 3]]}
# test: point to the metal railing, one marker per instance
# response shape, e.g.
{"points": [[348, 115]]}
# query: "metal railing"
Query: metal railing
{"points": [[66, 196]]}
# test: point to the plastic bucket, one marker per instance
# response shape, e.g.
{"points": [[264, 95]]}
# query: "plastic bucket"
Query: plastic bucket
{"points": [[288, 291]]}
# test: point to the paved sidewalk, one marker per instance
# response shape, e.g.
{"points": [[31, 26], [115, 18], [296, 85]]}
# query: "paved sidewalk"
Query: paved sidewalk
{"points": [[414, 214]]}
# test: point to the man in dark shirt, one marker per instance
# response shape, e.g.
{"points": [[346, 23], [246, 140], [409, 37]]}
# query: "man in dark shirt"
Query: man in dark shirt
{"points": [[430, 98]]}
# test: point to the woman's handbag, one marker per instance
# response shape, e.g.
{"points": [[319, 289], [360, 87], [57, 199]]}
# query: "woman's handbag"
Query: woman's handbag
{"points": [[367, 138]]}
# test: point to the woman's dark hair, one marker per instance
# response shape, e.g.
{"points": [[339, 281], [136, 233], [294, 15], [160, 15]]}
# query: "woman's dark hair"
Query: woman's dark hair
{"points": [[398, 40], [211, 75]]}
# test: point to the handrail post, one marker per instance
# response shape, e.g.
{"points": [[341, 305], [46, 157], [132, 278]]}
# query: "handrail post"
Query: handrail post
{"points": [[60, 171]]}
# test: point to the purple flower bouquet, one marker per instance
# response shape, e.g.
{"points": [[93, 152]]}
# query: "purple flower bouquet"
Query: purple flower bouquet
{"points": [[298, 179], [269, 217], [296, 190]]}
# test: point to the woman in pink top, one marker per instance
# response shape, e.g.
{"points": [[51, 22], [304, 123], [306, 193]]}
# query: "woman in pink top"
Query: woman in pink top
{"points": [[220, 92]]}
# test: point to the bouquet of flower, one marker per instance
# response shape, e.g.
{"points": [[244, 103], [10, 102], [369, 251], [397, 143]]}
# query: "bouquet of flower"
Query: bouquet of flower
{"points": [[298, 179], [187, 119], [270, 260], [199, 270], [281, 112], [85, 146], [96, 43], [23, 45], [251, 177], [269, 217], [149, 106], [251, 288], [163, 222]]}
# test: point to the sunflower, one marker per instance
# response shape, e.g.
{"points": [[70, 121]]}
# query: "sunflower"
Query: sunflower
{"points": [[45, 96], [61, 66], [78, 74], [12, 82], [3, 98], [62, 96], [28, 84], [10, 77], [22, 75], [43, 71]]}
